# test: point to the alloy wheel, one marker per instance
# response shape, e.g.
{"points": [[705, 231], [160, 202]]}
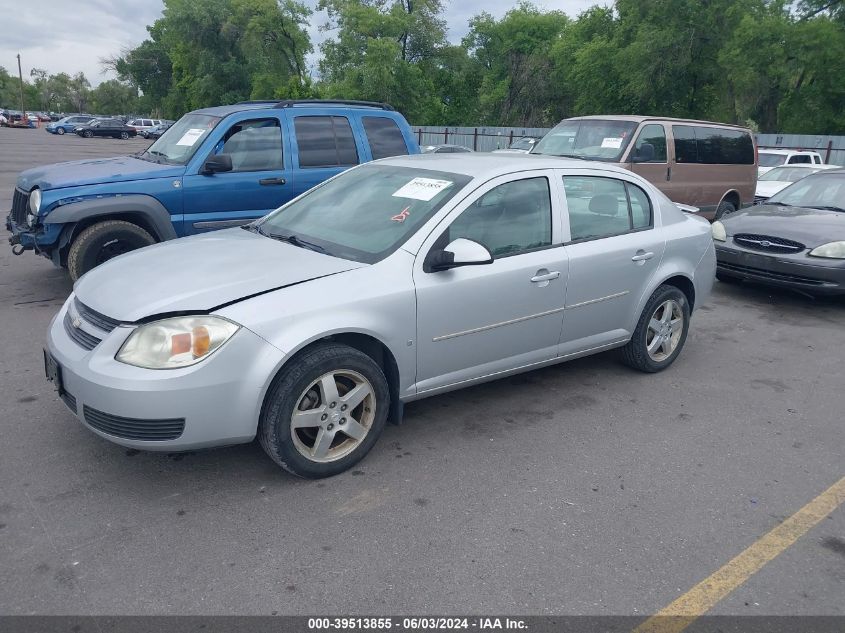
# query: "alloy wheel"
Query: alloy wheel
{"points": [[664, 330]]}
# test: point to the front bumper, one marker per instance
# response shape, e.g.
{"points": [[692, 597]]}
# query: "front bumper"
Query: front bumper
{"points": [[215, 402], [815, 275]]}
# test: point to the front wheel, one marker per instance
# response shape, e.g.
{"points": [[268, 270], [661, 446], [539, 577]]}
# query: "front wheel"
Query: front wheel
{"points": [[325, 411], [87, 134], [661, 331], [124, 135], [101, 242], [60, 131]]}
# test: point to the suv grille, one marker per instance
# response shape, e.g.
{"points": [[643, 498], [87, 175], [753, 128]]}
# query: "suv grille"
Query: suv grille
{"points": [[134, 428], [20, 203], [79, 314], [768, 243]]}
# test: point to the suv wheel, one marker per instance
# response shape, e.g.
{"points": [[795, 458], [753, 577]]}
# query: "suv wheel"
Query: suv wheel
{"points": [[124, 135], [60, 131], [102, 241], [325, 411], [660, 333]]}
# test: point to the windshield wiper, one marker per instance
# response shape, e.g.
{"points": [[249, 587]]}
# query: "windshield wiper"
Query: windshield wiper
{"points": [[825, 207], [293, 239]]}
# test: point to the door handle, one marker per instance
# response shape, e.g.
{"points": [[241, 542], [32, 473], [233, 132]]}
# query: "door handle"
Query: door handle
{"points": [[272, 181], [547, 276], [668, 173], [641, 256]]}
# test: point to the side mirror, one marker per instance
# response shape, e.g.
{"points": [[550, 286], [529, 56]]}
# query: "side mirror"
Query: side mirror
{"points": [[216, 164], [644, 153], [460, 252]]}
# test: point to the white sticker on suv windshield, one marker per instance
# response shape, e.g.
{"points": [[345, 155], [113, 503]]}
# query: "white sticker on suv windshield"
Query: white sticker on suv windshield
{"points": [[422, 189], [612, 143], [190, 137]]}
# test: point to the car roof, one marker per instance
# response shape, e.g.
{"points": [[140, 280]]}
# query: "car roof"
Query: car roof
{"points": [[490, 165], [787, 151], [640, 118], [226, 110]]}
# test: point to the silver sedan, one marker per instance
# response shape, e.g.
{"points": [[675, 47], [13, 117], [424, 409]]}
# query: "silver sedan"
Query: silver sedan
{"points": [[394, 281]]}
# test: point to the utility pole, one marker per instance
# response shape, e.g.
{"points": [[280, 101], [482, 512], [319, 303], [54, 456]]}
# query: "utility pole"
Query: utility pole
{"points": [[20, 77]]}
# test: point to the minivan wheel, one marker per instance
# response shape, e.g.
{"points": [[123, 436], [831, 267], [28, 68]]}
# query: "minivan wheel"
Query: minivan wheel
{"points": [[324, 411], [101, 242], [60, 131], [661, 331], [725, 206]]}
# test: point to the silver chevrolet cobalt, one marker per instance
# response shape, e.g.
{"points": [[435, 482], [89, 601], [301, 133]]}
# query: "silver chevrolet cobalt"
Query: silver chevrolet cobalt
{"points": [[396, 280]]}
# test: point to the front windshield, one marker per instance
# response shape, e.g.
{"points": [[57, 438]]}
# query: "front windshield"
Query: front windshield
{"points": [[787, 174], [366, 213], [181, 141], [590, 139], [523, 143], [816, 191], [770, 160]]}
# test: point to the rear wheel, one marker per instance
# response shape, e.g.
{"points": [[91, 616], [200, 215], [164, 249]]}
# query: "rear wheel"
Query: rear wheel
{"points": [[87, 134], [661, 331], [325, 411], [101, 242], [60, 131], [124, 135], [725, 206]]}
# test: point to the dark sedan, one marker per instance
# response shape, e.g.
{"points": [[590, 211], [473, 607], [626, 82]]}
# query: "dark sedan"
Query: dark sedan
{"points": [[795, 240], [114, 128]]}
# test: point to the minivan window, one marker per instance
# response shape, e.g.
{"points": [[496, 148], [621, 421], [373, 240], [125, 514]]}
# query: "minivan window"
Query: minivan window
{"points": [[712, 146], [588, 139], [384, 137], [181, 141], [325, 141], [656, 135]]}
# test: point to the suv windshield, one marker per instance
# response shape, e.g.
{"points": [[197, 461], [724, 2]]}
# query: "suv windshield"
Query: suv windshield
{"points": [[179, 143], [364, 214], [590, 139]]}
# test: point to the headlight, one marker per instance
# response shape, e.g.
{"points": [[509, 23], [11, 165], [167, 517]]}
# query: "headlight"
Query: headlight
{"points": [[719, 232], [35, 200], [176, 342], [834, 250]]}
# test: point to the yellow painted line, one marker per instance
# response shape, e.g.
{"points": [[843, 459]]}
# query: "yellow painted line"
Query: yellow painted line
{"points": [[687, 608]]}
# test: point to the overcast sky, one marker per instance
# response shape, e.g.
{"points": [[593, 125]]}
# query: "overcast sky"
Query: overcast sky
{"points": [[64, 36]]}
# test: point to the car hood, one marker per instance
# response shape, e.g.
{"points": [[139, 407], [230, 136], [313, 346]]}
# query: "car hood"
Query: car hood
{"points": [[95, 171], [200, 273], [768, 188], [811, 227]]}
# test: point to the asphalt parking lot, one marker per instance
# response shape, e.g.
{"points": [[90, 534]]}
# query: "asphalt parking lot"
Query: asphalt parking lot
{"points": [[584, 488]]}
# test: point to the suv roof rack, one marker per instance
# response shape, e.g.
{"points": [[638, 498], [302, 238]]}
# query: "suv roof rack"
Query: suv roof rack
{"points": [[289, 103]]}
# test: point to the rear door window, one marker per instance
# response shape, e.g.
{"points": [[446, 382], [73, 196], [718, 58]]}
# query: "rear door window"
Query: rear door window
{"points": [[325, 141], [686, 150], [384, 137], [602, 207], [712, 146]]}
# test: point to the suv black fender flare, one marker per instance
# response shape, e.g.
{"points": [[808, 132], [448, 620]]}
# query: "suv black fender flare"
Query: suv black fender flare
{"points": [[146, 210]]}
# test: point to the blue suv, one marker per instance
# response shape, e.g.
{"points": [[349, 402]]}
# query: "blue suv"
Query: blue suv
{"points": [[214, 168]]}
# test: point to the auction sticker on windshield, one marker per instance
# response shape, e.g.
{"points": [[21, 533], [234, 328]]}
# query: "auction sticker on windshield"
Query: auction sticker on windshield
{"points": [[612, 143], [190, 137], [422, 189]]}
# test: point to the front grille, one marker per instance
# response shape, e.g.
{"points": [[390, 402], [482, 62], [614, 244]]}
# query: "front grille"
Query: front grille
{"points": [[769, 274], [78, 335], [20, 203], [93, 317], [767, 243], [70, 401], [134, 428]]}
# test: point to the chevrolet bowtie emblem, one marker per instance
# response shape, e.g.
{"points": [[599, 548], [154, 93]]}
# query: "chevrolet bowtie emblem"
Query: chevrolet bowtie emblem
{"points": [[76, 322]]}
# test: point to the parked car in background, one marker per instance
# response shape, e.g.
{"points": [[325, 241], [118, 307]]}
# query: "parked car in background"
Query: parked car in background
{"points": [[358, 282], [771, 158], [156, 131], [711, 166], [113, 128], [796, 239], [520, 146], [68, 124], [215, 168], [444, 148], [781, 177], [142, 125]]}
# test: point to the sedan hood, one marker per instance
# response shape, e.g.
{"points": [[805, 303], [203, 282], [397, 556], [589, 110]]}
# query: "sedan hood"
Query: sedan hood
{"points": [[197, 274], [95, 171], [811, 227]]}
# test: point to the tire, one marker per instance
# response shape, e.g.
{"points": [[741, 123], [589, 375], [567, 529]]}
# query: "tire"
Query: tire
{"points": [[102, 241], [124, 135], [636, 352], [60, 131], [300, 384], [725, 206], [87, 134]]}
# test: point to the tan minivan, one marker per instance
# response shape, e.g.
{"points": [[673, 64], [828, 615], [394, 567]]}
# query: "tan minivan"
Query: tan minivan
{"points": [[712, 166]]}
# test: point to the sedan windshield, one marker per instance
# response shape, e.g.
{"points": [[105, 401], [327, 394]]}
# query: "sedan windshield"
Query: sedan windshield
{"points": [[179, 143], [787, 174], [770, 160], [817, 191], [589, 139], [365, 213]]}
